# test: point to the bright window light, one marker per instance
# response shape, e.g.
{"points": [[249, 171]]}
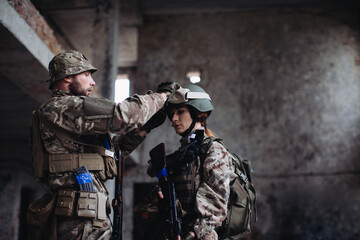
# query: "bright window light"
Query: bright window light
{"points": [[122, 87], [194, 76], [195, 79]]}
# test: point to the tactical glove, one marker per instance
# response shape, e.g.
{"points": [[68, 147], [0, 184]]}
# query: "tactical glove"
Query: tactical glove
{"points": [[156, 120], [188, 236], [167, 87]]}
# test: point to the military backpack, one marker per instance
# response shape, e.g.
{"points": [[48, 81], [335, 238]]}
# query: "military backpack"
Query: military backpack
{"points": [[242, 201]]}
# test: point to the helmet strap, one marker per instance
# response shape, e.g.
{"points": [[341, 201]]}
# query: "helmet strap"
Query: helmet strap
{"points": [[189, 129], [197, 119]]}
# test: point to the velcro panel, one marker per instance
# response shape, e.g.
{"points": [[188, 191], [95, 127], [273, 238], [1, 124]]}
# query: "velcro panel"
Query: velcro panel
{"points": [[87, 205], [63, 163], [98, 107], [65, 203], [92, 161], [70, 162]]}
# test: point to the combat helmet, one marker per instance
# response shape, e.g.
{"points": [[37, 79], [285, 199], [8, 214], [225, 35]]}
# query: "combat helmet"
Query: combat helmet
{"points": [[195, 98], [68, 63], [191, 95]]}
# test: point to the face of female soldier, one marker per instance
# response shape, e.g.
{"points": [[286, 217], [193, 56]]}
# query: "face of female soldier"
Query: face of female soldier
{"points": [[82, 84], [181, 119]]}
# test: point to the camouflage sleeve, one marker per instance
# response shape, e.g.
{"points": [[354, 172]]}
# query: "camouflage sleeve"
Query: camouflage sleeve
{"points": [[213, 193], [128, 142], [135, 111], [87, 115]]}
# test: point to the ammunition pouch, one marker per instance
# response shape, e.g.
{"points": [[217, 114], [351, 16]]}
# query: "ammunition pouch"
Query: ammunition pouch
{"points": [[110, 167], [87, 204], [41, 219], [65, 204], [72, 203]]}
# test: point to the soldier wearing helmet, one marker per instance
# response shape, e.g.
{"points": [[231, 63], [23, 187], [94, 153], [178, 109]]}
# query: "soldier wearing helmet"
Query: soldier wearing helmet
{"points": [[70, 130], [194, 99], [201, 182]]}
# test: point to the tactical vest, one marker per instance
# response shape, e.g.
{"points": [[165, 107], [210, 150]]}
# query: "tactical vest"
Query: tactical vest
{"points": [[187, 180], [101, 160], [184, 169], [94, 206]]}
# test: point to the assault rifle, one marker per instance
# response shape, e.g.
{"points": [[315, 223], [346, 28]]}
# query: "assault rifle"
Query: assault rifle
{"points": [[172, 223], [188, 153], [191, 151], [117, 202]]}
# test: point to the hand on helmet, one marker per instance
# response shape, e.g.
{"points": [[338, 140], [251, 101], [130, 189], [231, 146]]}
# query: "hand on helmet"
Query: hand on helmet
{"points": [[167, 87], [155, 121]]}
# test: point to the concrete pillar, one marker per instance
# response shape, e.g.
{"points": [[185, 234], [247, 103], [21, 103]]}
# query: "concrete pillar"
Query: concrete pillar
{"points": [[104, 54], [104, 45]]}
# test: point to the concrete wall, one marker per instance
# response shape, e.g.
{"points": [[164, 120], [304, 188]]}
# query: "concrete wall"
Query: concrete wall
{"points": [[17, 185], [285, 86], [27, 45]]}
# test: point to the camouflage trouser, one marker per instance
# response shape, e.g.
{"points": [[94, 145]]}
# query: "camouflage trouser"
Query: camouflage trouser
{"points": [[80, 229]]}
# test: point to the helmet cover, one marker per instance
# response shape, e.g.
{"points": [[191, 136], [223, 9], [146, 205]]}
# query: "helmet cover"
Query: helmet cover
{"points": [[68, 63]]}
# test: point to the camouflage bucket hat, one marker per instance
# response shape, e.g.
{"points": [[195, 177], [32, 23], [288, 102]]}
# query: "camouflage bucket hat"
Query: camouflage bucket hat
{"points": [[68, 63]]}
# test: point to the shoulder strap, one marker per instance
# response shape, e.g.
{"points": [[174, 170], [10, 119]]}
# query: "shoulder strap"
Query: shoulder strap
{"points": [[37, 149], [205, 145]]}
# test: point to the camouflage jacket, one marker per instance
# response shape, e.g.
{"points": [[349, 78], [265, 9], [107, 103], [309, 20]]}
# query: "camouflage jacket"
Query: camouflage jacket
{"points": [[203, 189], [91, 120]]}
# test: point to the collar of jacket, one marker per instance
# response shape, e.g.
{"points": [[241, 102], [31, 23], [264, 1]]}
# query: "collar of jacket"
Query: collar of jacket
{"points": [[186, 139], [58, 92]]}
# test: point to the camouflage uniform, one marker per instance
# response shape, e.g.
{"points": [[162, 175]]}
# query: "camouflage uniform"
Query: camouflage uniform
{"points": [[203, 190], [202, 180], [71, 127], [84, 117]]}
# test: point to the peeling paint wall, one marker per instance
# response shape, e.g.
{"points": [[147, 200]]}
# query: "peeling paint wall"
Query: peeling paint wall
{"points": [[285, 87]]}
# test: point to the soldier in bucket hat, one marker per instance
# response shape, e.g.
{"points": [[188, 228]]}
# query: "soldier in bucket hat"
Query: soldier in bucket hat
{"points": [[66, 64], [70, 131]]}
